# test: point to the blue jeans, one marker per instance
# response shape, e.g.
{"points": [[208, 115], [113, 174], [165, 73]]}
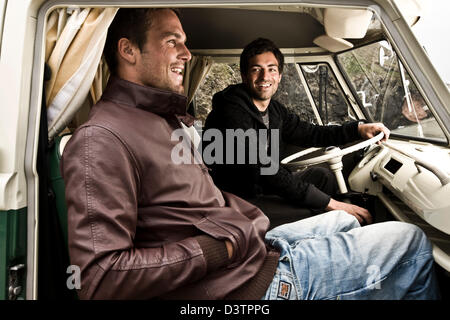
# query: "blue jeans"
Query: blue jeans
{"points": [[330, 256]]}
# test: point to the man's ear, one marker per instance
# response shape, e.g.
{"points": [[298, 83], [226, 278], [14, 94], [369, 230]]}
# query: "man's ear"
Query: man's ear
{"points": [[127, 50]]}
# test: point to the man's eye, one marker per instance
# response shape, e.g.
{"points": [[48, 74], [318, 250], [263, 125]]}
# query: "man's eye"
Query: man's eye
{"points": [[172, 43]]}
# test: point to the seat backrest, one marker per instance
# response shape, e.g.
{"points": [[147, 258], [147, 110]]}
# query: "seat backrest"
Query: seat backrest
{"points": [[58, 187], [57, 182]]}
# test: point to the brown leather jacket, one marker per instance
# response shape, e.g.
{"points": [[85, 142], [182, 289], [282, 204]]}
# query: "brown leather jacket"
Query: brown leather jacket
{"points": [[141, 226]]}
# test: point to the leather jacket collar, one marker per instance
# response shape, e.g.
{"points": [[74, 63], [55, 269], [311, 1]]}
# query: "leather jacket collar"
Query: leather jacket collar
{"points": [[158, 101]]}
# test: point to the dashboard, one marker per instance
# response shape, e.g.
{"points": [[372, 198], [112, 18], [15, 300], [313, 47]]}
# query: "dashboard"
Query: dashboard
{"points": [[418, 178], [416, 174]]}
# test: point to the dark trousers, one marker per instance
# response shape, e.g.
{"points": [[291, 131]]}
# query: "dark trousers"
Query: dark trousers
{"points": [[279, 211], [323, 178]]}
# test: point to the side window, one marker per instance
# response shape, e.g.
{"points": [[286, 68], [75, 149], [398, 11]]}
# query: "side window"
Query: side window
{"points": [[292, 94], [387, 92], [290, 91], [219, 77], [328, 96]]}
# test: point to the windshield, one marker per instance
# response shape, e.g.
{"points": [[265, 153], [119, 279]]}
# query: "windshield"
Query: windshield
{"points": [[387, 93], [432, 31]]}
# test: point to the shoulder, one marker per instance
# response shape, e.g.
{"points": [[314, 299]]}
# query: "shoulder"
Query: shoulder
{"points": [[94, 138], [234, 95], [95, 148], [228, 111], [278, 106], [279, 110]]}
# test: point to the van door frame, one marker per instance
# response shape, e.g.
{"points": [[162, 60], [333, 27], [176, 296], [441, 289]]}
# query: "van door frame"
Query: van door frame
{"points": [[419, 67], [3, 4], [346, 91]]}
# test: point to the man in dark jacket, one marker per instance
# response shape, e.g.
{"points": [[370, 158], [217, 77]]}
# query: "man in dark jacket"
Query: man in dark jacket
{"points": [[250, 106], [142, 225]]}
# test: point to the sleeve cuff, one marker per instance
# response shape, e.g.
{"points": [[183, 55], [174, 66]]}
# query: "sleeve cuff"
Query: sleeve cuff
{"points": [[214, 251], [315, 198]]}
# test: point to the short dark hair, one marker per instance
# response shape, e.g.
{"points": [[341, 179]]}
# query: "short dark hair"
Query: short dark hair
{"points": [[260, 46], [130, 23]]}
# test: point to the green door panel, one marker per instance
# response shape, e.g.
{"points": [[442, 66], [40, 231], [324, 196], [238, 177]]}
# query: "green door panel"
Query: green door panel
{"points": [[13, 247]]}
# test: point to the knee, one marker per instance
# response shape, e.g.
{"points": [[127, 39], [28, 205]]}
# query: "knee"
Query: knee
{"points": [[323, 173], [420, 237], [410, 229], [326, 180], [343, 221], [414, 235]]}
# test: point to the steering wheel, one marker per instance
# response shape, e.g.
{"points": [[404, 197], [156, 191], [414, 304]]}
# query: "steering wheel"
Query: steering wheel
{"points": [[332, 155]]}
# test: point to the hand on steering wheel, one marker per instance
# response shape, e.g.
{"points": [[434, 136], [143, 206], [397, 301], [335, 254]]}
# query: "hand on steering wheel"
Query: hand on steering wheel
{"points": [[369, 130]]}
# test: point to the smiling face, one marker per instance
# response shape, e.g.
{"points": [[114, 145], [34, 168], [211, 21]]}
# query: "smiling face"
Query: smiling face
{"points": [[262, 78], [160, 63]]}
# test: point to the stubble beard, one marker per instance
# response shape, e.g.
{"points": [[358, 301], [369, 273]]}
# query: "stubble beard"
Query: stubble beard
{"points": [[263, 96]]}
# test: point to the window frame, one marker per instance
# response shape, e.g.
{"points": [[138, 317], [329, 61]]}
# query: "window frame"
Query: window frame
{"points": [[347, 93], [291, 56]]}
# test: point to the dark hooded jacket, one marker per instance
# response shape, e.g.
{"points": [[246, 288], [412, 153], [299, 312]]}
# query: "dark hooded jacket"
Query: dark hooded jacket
{"points": [[233, 108]]}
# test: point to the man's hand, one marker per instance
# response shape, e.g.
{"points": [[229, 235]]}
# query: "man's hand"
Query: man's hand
{"points": [[370, 130], [361, 214]]}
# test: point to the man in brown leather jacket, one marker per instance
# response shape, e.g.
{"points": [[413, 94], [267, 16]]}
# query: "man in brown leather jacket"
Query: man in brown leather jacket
{"points": [[142, 226]]}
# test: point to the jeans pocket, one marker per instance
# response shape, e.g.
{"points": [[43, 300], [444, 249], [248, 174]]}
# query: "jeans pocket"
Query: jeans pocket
{"points": [[282, 287]]}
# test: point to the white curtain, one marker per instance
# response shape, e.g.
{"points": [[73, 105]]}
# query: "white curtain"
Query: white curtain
{"points": [[195, 73], [74, 44]]}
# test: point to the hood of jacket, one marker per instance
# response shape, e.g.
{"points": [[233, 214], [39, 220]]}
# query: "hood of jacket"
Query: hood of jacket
{"points": [[238, 96]]}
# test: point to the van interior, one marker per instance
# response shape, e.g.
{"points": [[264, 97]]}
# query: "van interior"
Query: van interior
{"points": [[343, 63]]}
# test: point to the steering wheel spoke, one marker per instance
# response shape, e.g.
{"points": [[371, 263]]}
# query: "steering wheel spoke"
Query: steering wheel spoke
{"points": [[331, 155]]}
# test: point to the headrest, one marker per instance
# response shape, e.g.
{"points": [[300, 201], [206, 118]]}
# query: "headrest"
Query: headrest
{"points": [[63, 142]]}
